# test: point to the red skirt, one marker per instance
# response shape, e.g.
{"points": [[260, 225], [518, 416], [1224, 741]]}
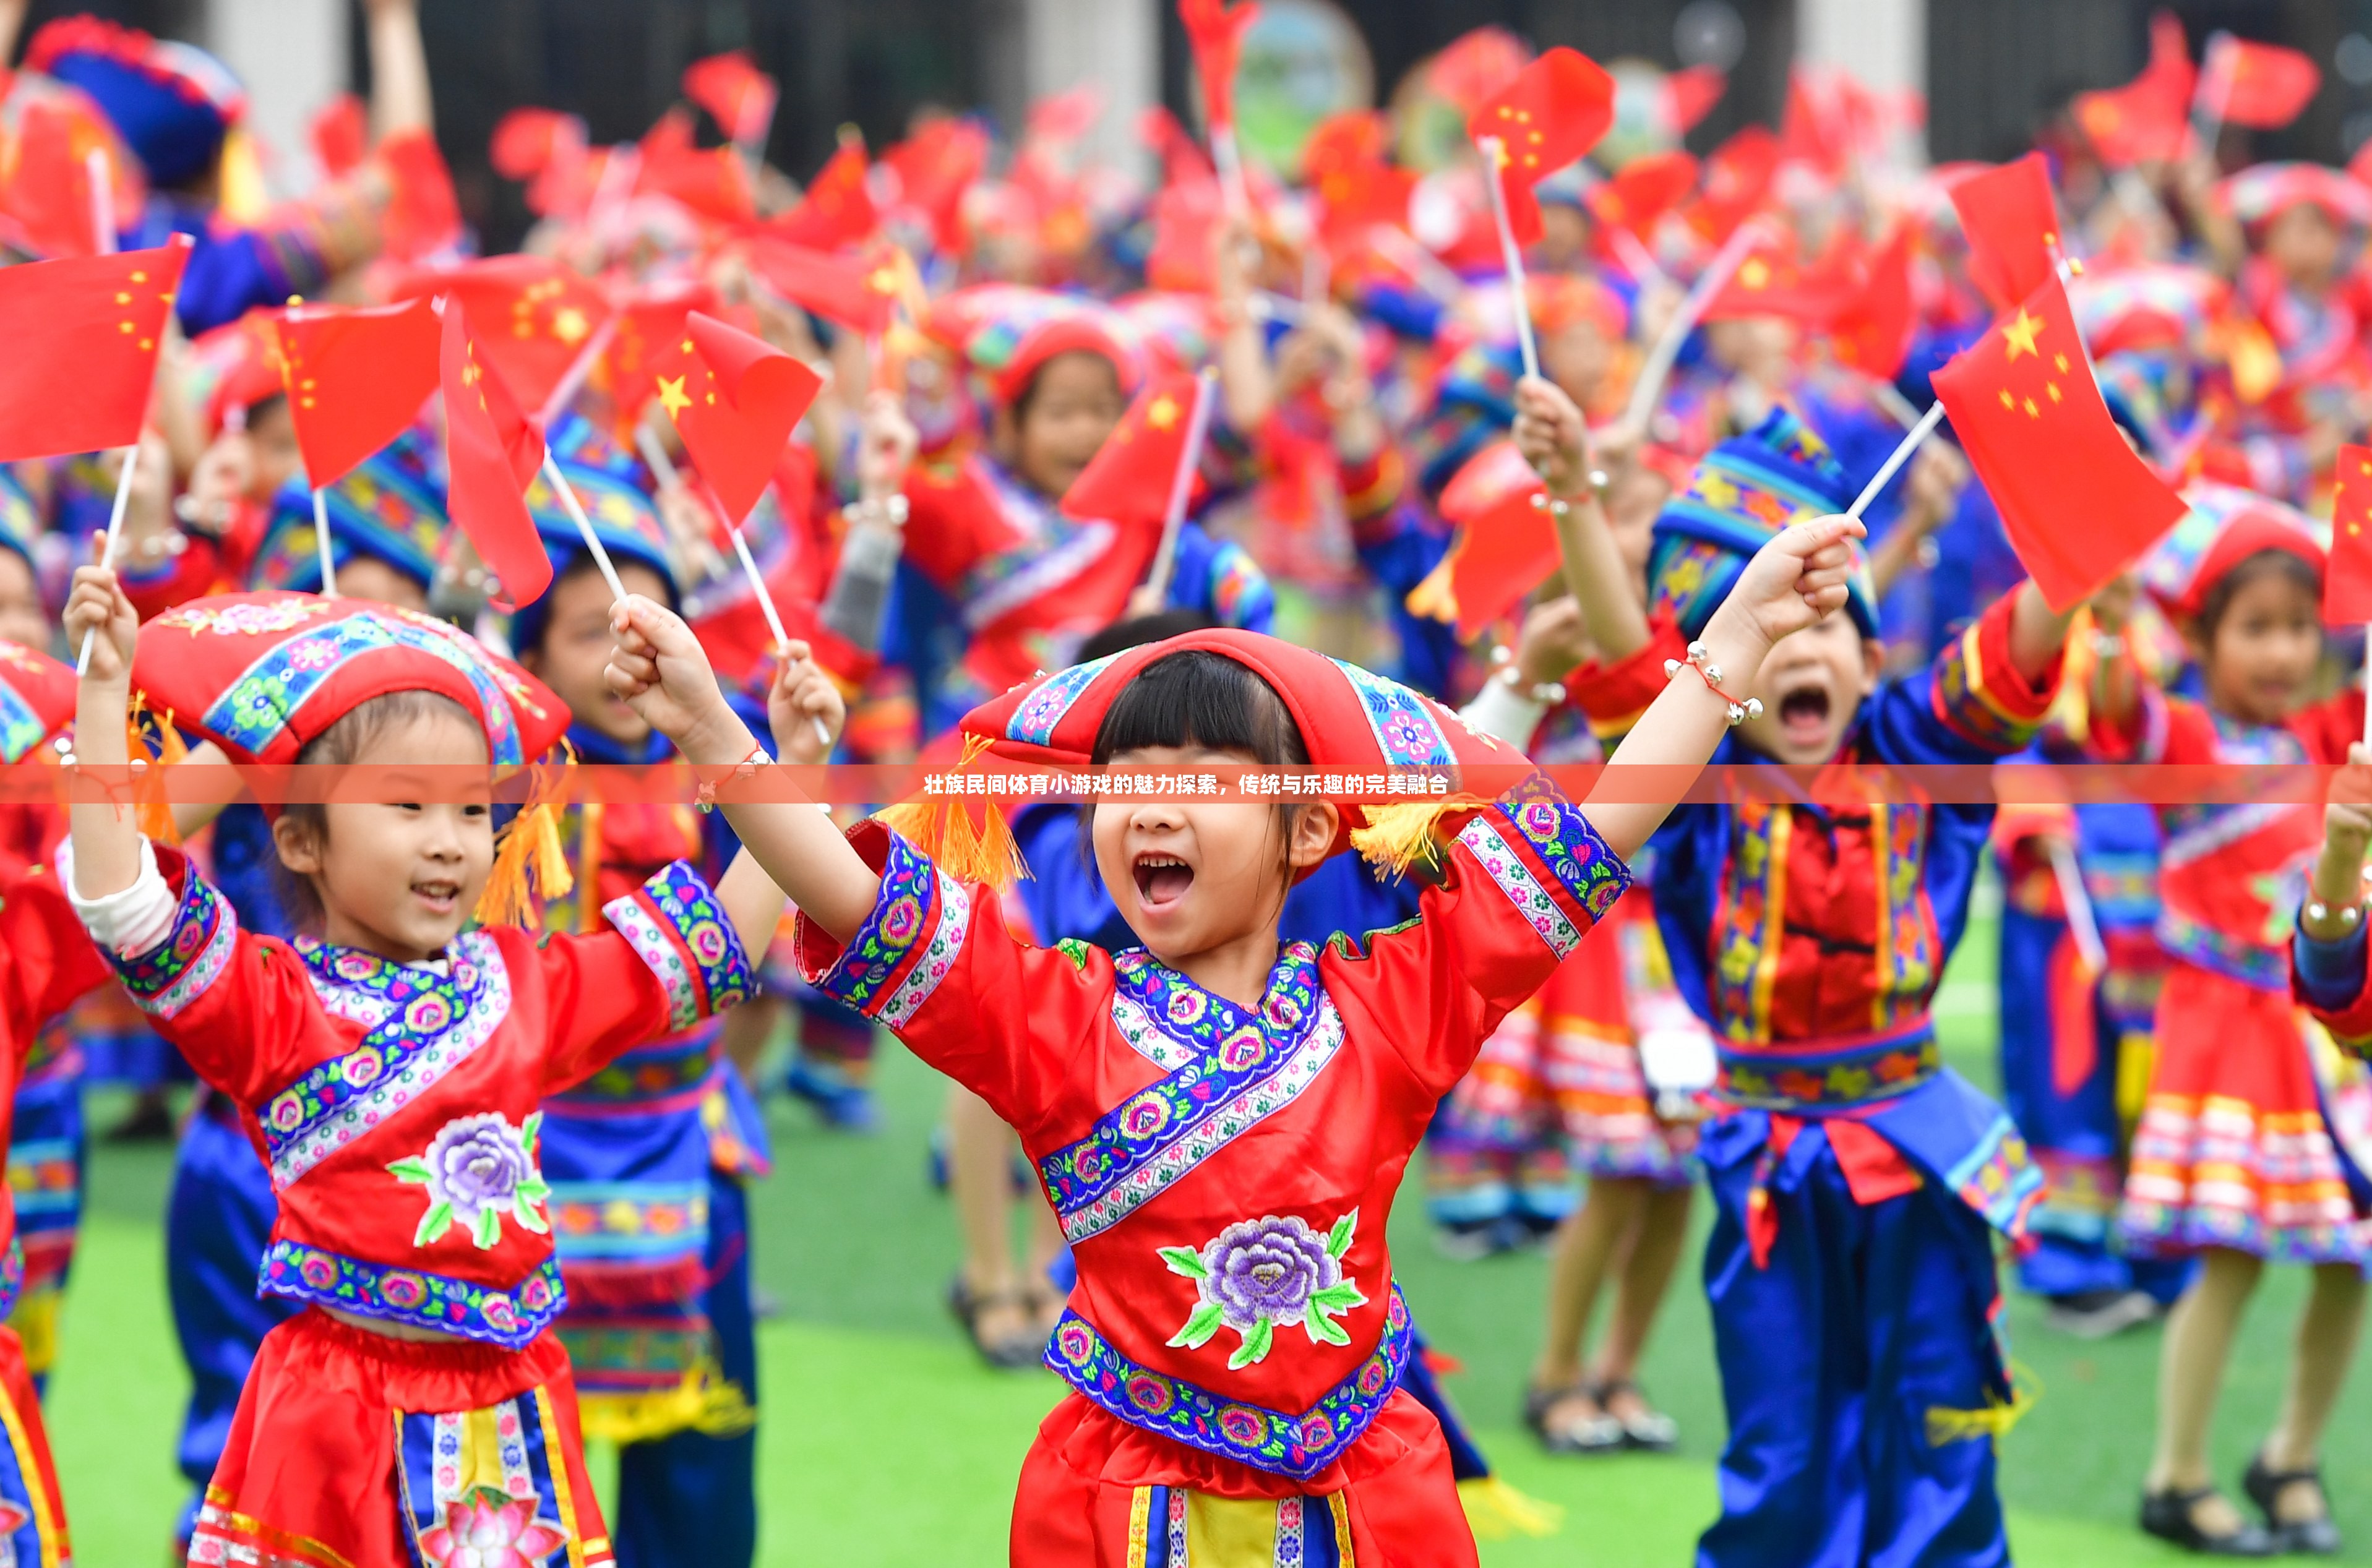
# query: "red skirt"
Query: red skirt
{"points": [[2233, 1150], [355, 1450], [1095, 1493], [32, 1516]]}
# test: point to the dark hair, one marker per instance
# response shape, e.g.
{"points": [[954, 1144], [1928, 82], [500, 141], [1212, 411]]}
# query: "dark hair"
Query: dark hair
{"points": [[531, 622], [1199, 698], [2284, 564], [343, 743], [1028, 392]]}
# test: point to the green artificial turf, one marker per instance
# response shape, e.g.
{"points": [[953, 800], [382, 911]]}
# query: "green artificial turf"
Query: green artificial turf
{"points": [[885, 1445]]}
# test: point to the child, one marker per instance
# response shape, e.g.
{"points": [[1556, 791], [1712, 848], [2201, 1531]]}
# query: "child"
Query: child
{"points": [[2233, 1161], [1854, 1176], [392, 1068], [1222, 1125]]}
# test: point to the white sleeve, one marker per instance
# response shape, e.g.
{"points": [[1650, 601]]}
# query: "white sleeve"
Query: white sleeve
{"points": [[129, 922], [1500, 712]]}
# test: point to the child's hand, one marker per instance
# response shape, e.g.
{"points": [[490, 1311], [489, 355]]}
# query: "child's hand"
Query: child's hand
{"points": [[1554, 642], [804, 708], [2347, 826], [1551, 434], [661, 671], [886, 444], [1800, 578], [97, 604]]}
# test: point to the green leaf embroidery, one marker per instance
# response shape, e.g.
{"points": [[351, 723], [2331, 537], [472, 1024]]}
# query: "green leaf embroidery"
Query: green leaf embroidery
{"points": [[1338, 1297], [1185, 1260], [529, 1130], [412, 1168], [535, 1189], [1199, 1328], [1255, 1347], [523, 1209], [1076, 950], [1338, 1240], [489, 1228], [433, 1224], [1318, 1326]]}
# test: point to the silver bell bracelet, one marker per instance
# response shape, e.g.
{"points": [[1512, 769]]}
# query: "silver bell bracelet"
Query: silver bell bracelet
{"points": [[1701, 660]]}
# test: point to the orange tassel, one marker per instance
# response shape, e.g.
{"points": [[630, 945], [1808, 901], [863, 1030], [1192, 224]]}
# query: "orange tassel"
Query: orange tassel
{"points": [[941, 827], [154, 813], [531, 862]]}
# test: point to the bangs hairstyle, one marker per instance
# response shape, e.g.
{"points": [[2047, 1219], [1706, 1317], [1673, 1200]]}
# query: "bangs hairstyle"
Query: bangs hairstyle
{"points": [[2292, 568], [346, 741], [1199, 699]]}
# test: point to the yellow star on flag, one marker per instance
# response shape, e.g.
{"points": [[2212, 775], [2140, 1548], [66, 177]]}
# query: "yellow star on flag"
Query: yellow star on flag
{"points": [[1162, 413], [2019, 335], [672, 395]]}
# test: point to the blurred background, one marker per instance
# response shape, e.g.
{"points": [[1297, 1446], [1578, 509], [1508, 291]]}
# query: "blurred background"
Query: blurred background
{"points": [[1993, 74]]}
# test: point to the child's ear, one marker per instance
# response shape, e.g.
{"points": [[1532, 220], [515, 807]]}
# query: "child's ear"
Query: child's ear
{"points": [[1873, 664], [299, 843], [1314, 829]]}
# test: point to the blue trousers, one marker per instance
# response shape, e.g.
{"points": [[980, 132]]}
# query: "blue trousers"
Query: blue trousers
{"points": [[218, 1222], [692, 1499], [1831, 1355]]}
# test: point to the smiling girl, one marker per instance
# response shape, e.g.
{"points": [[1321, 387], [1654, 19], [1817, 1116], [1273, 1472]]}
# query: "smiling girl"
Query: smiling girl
{"points": [[390, 1065], [1221, 1122]]}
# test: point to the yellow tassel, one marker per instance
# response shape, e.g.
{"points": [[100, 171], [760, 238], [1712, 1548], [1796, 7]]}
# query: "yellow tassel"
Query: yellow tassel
{"points": [[941, 828], [703, 1402], [531, 862], [1945, 1425], [1400, 835], [1496, 1511], [155, 813]]}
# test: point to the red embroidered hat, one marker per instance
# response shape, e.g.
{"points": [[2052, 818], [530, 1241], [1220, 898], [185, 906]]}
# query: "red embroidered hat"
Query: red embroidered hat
{"points": [[2225, 525], [37, 698], [1006, 332], [1349, 719], [264, 673]]}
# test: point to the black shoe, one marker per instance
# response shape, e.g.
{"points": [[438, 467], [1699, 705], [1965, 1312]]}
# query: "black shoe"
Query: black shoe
{"points": [[2098, 1314], [2168, 1516], [2315, 1537], [150, 1121]]}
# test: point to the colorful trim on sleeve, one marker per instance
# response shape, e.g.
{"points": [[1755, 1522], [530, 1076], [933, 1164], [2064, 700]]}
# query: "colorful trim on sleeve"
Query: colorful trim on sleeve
{"points": [[167, 978], [1980, 696], [905, 946], [1518, 840], [676, 926]]}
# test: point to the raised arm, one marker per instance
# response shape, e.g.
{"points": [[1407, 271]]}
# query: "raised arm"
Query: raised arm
{"points": [[106, 835], [399, 65], [659, 669], [1552, 436]]}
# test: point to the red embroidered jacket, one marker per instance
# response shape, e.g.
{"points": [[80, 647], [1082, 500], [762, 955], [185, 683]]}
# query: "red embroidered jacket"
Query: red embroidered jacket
{"points": [[397, 1107], [1223, 1174], [46, 965]]}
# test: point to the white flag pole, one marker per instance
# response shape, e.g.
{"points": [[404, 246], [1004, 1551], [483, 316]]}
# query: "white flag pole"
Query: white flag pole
{"points": [[102, 202], [322, 543], [1181, 484], [1900, 456], [1666, 352], [2083, 924], [1495, 154], [560, 487], [107, 552]]}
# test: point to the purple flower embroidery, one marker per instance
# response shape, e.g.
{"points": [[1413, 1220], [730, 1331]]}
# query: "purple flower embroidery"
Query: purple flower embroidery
{"points": [[1259, 1275], [475, 1169]]}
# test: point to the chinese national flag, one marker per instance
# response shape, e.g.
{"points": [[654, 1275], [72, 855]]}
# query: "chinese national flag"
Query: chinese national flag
{"points": [[2011, 224], [1873, 332], [837, 210], [849, 290], [423, 215], [45, 193], [533, 315], [1736, 177], [1503, 548], [735, 400], [491, 452], [2078, 503], [1217, 33], [1129, 480], [340, 135], [2347, 582], [2261, 85], [935, 167], [82, 349], [2146, 120], [650, 327], [1647, 188], [738, 96], [1553, 112], [357, 380], [1771, 283]]}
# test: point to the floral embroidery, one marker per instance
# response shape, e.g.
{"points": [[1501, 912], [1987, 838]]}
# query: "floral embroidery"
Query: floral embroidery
{"points": [[475, 1169], [487, 1529], [251, 620], [1845, 1074], [20, 728], [1405, 728], [1276, 1441], [1035, 719], [1539, 907], [1226, 1071], [689, 922], [912, 937], [1562, 837], [1258, 1274], [421, 1024], [425, 1300], [177, 971]]}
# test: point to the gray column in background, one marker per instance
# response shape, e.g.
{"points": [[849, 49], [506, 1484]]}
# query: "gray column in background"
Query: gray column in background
{"points": [[291, 56], [1114, 43], [1882, 42]]}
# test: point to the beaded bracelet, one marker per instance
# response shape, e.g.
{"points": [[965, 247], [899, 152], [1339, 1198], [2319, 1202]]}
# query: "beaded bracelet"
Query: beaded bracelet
{"points": [[1701, 660], [2348, 917], [1548, 693], [745, 769]]}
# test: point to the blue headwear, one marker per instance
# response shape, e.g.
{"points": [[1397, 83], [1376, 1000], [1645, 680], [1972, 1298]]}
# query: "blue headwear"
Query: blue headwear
{"points": [[172, 104], [612, 488], [390, 508], [1743, 492], [20, 520]]}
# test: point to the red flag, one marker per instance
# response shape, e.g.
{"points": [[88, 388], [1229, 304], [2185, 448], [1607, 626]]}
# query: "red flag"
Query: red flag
{"points": [[2146, 120], [535, 316], [1129, 479], [2012, 226], [735, 400], [838, 210], [850, 290], [549, 150], [1688, 96], [935, 167], [648, 328], [1216, 34], [1503, 548], [2079, 505], [739, 97], [1186, 219], [2347, 582], [355, 380], [422, 216], [1645, 188], [1771, 283], [1873, 332], [491, 451], [2263, 86], [82, 349], [1736, 177], [1553, 112], [340, 134], [45, 194], [1344, 162]]}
